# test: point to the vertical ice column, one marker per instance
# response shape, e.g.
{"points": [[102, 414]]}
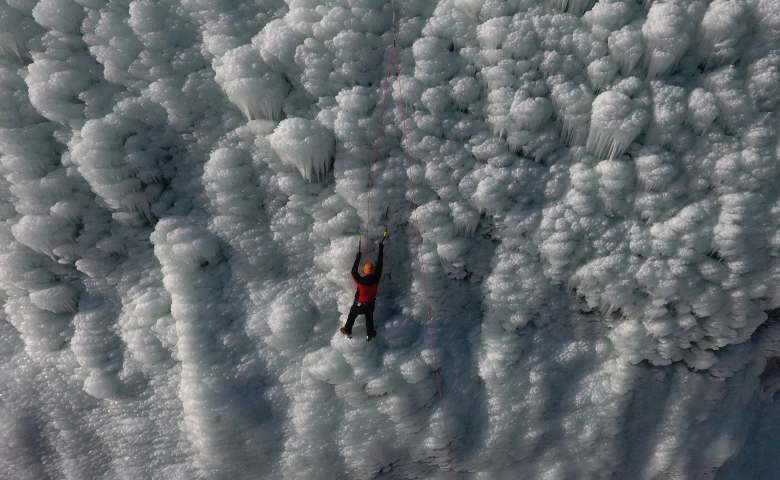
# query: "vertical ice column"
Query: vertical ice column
{"points": [[184, 250], [97, 349]]}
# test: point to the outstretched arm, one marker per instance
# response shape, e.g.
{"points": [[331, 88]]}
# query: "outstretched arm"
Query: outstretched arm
{"points": [[355, 265], [380, 259]]}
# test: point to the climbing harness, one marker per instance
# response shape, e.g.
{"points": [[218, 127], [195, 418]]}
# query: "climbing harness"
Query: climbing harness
{"points": [[394, 61]]}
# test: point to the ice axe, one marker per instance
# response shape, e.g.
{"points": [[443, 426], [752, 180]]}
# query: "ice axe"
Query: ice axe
{"points": [[384, 236]]}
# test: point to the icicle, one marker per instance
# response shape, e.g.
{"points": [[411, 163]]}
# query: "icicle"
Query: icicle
{"points": [[575, 7]]}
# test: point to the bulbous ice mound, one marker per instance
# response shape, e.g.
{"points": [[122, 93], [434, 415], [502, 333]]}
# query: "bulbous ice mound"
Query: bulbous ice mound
{"points": [[595, 187], [667, 35], [250, 84], [305, 145], [615, 122]]}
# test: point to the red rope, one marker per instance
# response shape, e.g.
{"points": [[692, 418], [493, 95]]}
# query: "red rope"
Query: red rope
{"points": [[420, 251], [376, 149], [394, 60]]}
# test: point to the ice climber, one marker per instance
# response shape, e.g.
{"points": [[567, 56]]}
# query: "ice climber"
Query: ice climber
{"points": [[365, 297]]}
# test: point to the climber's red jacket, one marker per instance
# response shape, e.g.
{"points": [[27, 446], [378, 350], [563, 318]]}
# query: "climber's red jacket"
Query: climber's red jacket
{"points": [[367, 285]]}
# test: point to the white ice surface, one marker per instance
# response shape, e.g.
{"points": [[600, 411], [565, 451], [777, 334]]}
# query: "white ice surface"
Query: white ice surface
{"points": [[596, 185]]}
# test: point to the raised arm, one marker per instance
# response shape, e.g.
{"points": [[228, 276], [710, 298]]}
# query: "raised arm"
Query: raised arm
{"points": [[354, 270], [380, 259]]}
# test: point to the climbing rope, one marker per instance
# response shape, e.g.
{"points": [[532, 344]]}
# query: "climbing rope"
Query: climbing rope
{"points": [[422, 258], [376, 145], [395, 61]]}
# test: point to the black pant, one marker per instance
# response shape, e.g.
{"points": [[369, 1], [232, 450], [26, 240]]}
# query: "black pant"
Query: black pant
{"points": [[366, 309]]}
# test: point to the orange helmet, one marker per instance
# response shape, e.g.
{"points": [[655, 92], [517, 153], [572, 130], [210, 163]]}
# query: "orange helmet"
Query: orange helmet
{"points": [[368, 268]]}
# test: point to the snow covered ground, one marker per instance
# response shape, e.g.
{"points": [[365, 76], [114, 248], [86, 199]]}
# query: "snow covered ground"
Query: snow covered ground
{"points": [[182, 188]]}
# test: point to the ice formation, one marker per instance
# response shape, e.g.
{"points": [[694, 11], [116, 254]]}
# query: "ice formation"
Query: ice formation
{"points": [[616, 121], [182, 188], [305, 145]]}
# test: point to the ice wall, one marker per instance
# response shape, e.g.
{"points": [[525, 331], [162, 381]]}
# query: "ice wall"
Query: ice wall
{"points": [[184, 182]]}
